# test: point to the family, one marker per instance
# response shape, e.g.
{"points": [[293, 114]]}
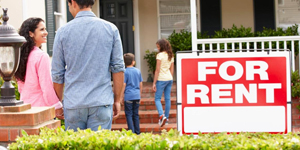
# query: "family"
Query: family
{"points": [[78, 81]]}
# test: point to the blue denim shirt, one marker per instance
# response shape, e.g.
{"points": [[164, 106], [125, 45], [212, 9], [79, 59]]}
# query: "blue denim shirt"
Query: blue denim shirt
{"points": [[85, 52]]}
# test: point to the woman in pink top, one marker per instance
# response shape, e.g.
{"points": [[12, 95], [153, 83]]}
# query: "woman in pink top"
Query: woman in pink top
{"points": [[33, 75]]}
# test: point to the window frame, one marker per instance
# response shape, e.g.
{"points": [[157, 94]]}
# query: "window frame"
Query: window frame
{"points": [[159, 16]]}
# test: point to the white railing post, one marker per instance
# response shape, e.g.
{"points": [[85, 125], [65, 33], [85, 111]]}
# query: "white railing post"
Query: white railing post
{"points": [[293, 55]]}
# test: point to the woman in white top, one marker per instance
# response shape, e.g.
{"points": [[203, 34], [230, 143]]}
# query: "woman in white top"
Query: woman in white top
{"points": [[163, 78]]}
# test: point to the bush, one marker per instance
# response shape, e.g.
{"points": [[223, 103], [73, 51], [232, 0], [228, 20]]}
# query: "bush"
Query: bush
{"points": [[295, 85], [234, 32], [150, 57], [126, 140], [182, 41]]}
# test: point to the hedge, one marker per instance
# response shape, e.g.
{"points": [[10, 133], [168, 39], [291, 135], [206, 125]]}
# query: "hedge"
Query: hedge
{"points": [[181, 41], [126, 140]]}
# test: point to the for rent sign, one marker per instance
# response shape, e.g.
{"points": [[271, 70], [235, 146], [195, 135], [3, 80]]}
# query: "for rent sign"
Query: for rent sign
{"points": [[234, 92]]}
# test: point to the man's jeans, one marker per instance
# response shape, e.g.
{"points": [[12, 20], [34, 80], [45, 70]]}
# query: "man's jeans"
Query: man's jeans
{"points": [[132, 115], [163, 86], [92, 118]]}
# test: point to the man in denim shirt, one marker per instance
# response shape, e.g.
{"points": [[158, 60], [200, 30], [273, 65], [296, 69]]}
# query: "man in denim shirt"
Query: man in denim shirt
{"points": [[85, 51]]}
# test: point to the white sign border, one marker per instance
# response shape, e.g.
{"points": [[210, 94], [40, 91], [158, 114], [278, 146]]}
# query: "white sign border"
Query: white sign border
{"points": [[193, 55]]}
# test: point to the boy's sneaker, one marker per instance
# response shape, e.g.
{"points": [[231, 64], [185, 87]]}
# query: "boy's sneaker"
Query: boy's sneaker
{"points": [[163, 121]]}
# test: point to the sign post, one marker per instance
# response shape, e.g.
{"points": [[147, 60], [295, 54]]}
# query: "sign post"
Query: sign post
{"points": [[234, 92]]}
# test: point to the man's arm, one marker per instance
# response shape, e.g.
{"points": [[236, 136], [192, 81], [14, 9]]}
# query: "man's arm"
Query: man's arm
{"points": [[58, 71], [122, 93], [59, 90], [118, 81], [117, 68]]}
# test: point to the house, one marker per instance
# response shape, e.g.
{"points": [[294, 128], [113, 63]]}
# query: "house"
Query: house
{"points": [[142, 22]]}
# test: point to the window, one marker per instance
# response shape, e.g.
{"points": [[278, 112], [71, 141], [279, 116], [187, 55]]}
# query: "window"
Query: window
{"points": [[51, 7], [280, 2], [288, 12], [173, 15]]}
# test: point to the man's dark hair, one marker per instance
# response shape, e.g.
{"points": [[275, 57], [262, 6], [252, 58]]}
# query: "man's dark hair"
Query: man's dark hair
{"points": [[84, 3], [128, 59]]}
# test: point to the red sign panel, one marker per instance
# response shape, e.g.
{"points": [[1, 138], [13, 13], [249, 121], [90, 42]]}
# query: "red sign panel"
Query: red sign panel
{"points": [[231, 88]]}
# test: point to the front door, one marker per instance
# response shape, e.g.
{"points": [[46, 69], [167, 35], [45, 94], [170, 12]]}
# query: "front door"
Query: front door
{"points": [[120, 13]]}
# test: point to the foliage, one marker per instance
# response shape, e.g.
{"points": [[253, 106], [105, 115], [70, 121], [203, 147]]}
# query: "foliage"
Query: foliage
{"points": [[126, 140], [14, 83], [234, 32], [295, 85], [290, 31], [1, 82], [182, 41], [150, 57]]}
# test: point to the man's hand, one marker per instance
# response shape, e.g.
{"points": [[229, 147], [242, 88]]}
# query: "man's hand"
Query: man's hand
{"points": [[59, 113], [117, 110]]}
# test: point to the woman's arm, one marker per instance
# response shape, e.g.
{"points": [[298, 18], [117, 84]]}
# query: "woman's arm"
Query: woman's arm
{"points": [[46, 84], [157, 70], [172, 68]]}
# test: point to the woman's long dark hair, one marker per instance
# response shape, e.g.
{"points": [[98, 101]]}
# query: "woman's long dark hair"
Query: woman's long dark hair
{"points": [[28, 25], [165, 46]]}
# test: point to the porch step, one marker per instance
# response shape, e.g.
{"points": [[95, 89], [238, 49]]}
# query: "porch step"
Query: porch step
{"points": [[149, 93], [148, 113], [149, 104], [153, 128], [150, 116]]}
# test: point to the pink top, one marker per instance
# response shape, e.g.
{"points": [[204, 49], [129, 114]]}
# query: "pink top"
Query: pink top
{"points": [[38, 87]]}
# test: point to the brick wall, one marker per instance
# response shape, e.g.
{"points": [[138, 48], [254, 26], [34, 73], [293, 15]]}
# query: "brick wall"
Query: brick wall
{"points": [[295, 115], [14, 119]]}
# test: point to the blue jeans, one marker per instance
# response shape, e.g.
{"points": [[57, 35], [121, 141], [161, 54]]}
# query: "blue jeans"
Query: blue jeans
{"points": [[163, 86], [92, 118], [132, 115]]}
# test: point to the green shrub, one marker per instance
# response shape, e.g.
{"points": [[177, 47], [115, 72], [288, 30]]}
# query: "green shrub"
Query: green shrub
{"points": [[295, 85], [182, 41], [290, 31], [150, 57], [234, 32], [1, 82], [126, 140]]}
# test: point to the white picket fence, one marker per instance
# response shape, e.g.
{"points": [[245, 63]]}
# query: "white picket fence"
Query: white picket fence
{"points": [[251, 44]]}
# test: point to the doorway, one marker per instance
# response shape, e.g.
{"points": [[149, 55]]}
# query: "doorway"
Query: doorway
{"points": [[120, 13]]}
